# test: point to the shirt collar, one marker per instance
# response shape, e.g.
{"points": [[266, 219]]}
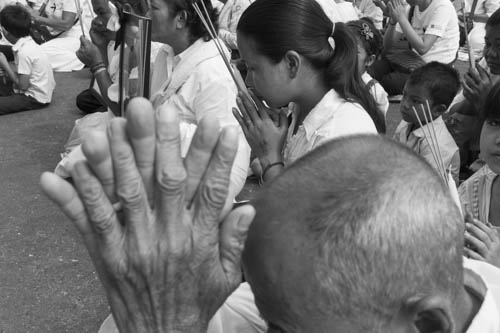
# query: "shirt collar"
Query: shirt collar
{"points": [[321, 113], [20, 42], [419, 132]]}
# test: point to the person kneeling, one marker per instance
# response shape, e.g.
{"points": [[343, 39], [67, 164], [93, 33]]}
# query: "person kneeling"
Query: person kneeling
{"points": [[32, 78]]}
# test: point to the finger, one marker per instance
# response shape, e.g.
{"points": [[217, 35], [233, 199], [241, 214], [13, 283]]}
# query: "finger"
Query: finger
{"points": [[214, 188], [469, 253], [64, 195], [483, 73], [261, 108], [96, 149], [170, 174], [484, 227], [283, 119], [199, 154], [128, 182], [473, 75], [249, 107], [141, 131], [241, 121], [476, 243], [233, 235], [245, 116], [100, 212], [478, 231]]}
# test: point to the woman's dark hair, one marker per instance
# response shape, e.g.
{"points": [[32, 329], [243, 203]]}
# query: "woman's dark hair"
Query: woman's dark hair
{"points": [[370, 37], [491, 107], [494, 19], [278, 26], [16, 20], [194, 23]]}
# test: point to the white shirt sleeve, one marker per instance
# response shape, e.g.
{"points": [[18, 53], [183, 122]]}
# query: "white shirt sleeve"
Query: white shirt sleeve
{"points": [[438, 21]]}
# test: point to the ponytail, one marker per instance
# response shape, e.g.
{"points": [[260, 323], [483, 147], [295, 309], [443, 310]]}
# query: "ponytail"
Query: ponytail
{"points": [[278, 26]]}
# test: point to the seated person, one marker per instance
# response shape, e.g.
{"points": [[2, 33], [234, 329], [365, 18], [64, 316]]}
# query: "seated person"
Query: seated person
{"points": [[464, 120], [431, 31], [369, 42], [437, 84], [367, 8], [480, 194], [483, 10], [60, 19], [343, 241], [32, 78], [228, 21]]}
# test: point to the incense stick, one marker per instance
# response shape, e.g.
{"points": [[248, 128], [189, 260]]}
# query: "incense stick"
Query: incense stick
{"points": [[79, 13], [435, 139], [472, 60]]}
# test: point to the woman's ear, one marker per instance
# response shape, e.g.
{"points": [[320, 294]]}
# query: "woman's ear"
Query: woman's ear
{"points": [[293, 62], [430, 314], [181, 19]]}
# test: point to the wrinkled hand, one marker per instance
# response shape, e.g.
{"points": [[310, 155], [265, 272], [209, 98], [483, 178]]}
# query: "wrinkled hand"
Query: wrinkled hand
{"points": [[476, 85], [397, 10], [265, 135], [482, 242], [88, 53], [166, 260]]}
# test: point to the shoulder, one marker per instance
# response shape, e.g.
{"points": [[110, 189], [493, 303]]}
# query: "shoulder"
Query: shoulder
{"points": [[475, 180], [348, 118]]}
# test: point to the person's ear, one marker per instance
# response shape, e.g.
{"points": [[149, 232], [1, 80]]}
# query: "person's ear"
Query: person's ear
{"points": [[430, 314], [370, 60], [181, 20], [438, 110], [293, 62]]}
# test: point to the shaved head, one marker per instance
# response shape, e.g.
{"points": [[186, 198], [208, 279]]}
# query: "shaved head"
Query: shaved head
{"points": [[349, 234]]}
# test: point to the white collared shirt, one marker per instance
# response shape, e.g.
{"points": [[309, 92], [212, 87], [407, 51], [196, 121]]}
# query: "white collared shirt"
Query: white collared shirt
{"points": [[378, 93], [197, 83], [331, 118], [416, 141], [31, 60]]}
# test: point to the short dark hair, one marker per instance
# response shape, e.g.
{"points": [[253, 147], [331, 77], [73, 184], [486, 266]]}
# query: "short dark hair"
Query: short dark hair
{"points": [[494, 19], [441, 80], [491, 108], [16, 20], [194, 23]]}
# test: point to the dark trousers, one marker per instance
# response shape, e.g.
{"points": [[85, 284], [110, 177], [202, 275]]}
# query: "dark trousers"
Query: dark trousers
{"points": [[89, 101], [19, 102], [392, 80]]}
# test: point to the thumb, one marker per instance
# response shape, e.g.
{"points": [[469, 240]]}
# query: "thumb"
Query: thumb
{"points": [[233, 235], [283, 120]]}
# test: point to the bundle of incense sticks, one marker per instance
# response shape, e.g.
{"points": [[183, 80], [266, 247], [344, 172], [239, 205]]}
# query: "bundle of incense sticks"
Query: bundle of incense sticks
{"points": [[431, 138], [79, 13], [472, 59], [207, 22]]}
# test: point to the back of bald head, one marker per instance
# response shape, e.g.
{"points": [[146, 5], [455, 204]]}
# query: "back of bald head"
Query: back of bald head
{"points": [[360, 225]]}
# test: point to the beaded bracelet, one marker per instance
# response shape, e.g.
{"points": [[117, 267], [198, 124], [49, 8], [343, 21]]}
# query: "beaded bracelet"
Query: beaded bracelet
{"points": [[99, 70]]}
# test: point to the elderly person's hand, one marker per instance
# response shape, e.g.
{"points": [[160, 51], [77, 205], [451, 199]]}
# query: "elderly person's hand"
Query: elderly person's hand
{"points": [[477, 83], [482, 242], [89, 53], [167, 260]]}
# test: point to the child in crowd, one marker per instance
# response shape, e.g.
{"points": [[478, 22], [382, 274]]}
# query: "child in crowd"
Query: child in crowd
{"points": [[464, 120], [367, 8], [369, 42], [32, 78], [480, 194], [294, 53], [436, 84], [431, 31]]}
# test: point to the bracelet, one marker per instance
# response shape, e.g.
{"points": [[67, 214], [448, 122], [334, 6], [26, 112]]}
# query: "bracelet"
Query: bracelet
{"points": [[99, 70], [390, 22], [266, 169], [94, 68]]}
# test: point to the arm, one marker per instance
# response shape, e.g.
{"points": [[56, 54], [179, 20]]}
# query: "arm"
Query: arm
{"points": [[21, 81], [398, 13], [391, 36], [65, 23]]}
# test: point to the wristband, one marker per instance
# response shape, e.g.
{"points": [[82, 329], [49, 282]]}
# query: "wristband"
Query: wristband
{"points": [[390, 22], [266, 169], [99, 70], [94, 68]]}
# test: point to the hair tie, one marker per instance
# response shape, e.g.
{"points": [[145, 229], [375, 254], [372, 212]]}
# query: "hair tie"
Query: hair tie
{"points": [[331, 41]]}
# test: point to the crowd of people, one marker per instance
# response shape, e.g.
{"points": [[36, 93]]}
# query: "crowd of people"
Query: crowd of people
{"points": [[350, 231]]}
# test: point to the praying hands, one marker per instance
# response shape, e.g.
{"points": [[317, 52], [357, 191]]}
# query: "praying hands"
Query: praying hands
{"points": [[152, 221], [482, 242]]}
